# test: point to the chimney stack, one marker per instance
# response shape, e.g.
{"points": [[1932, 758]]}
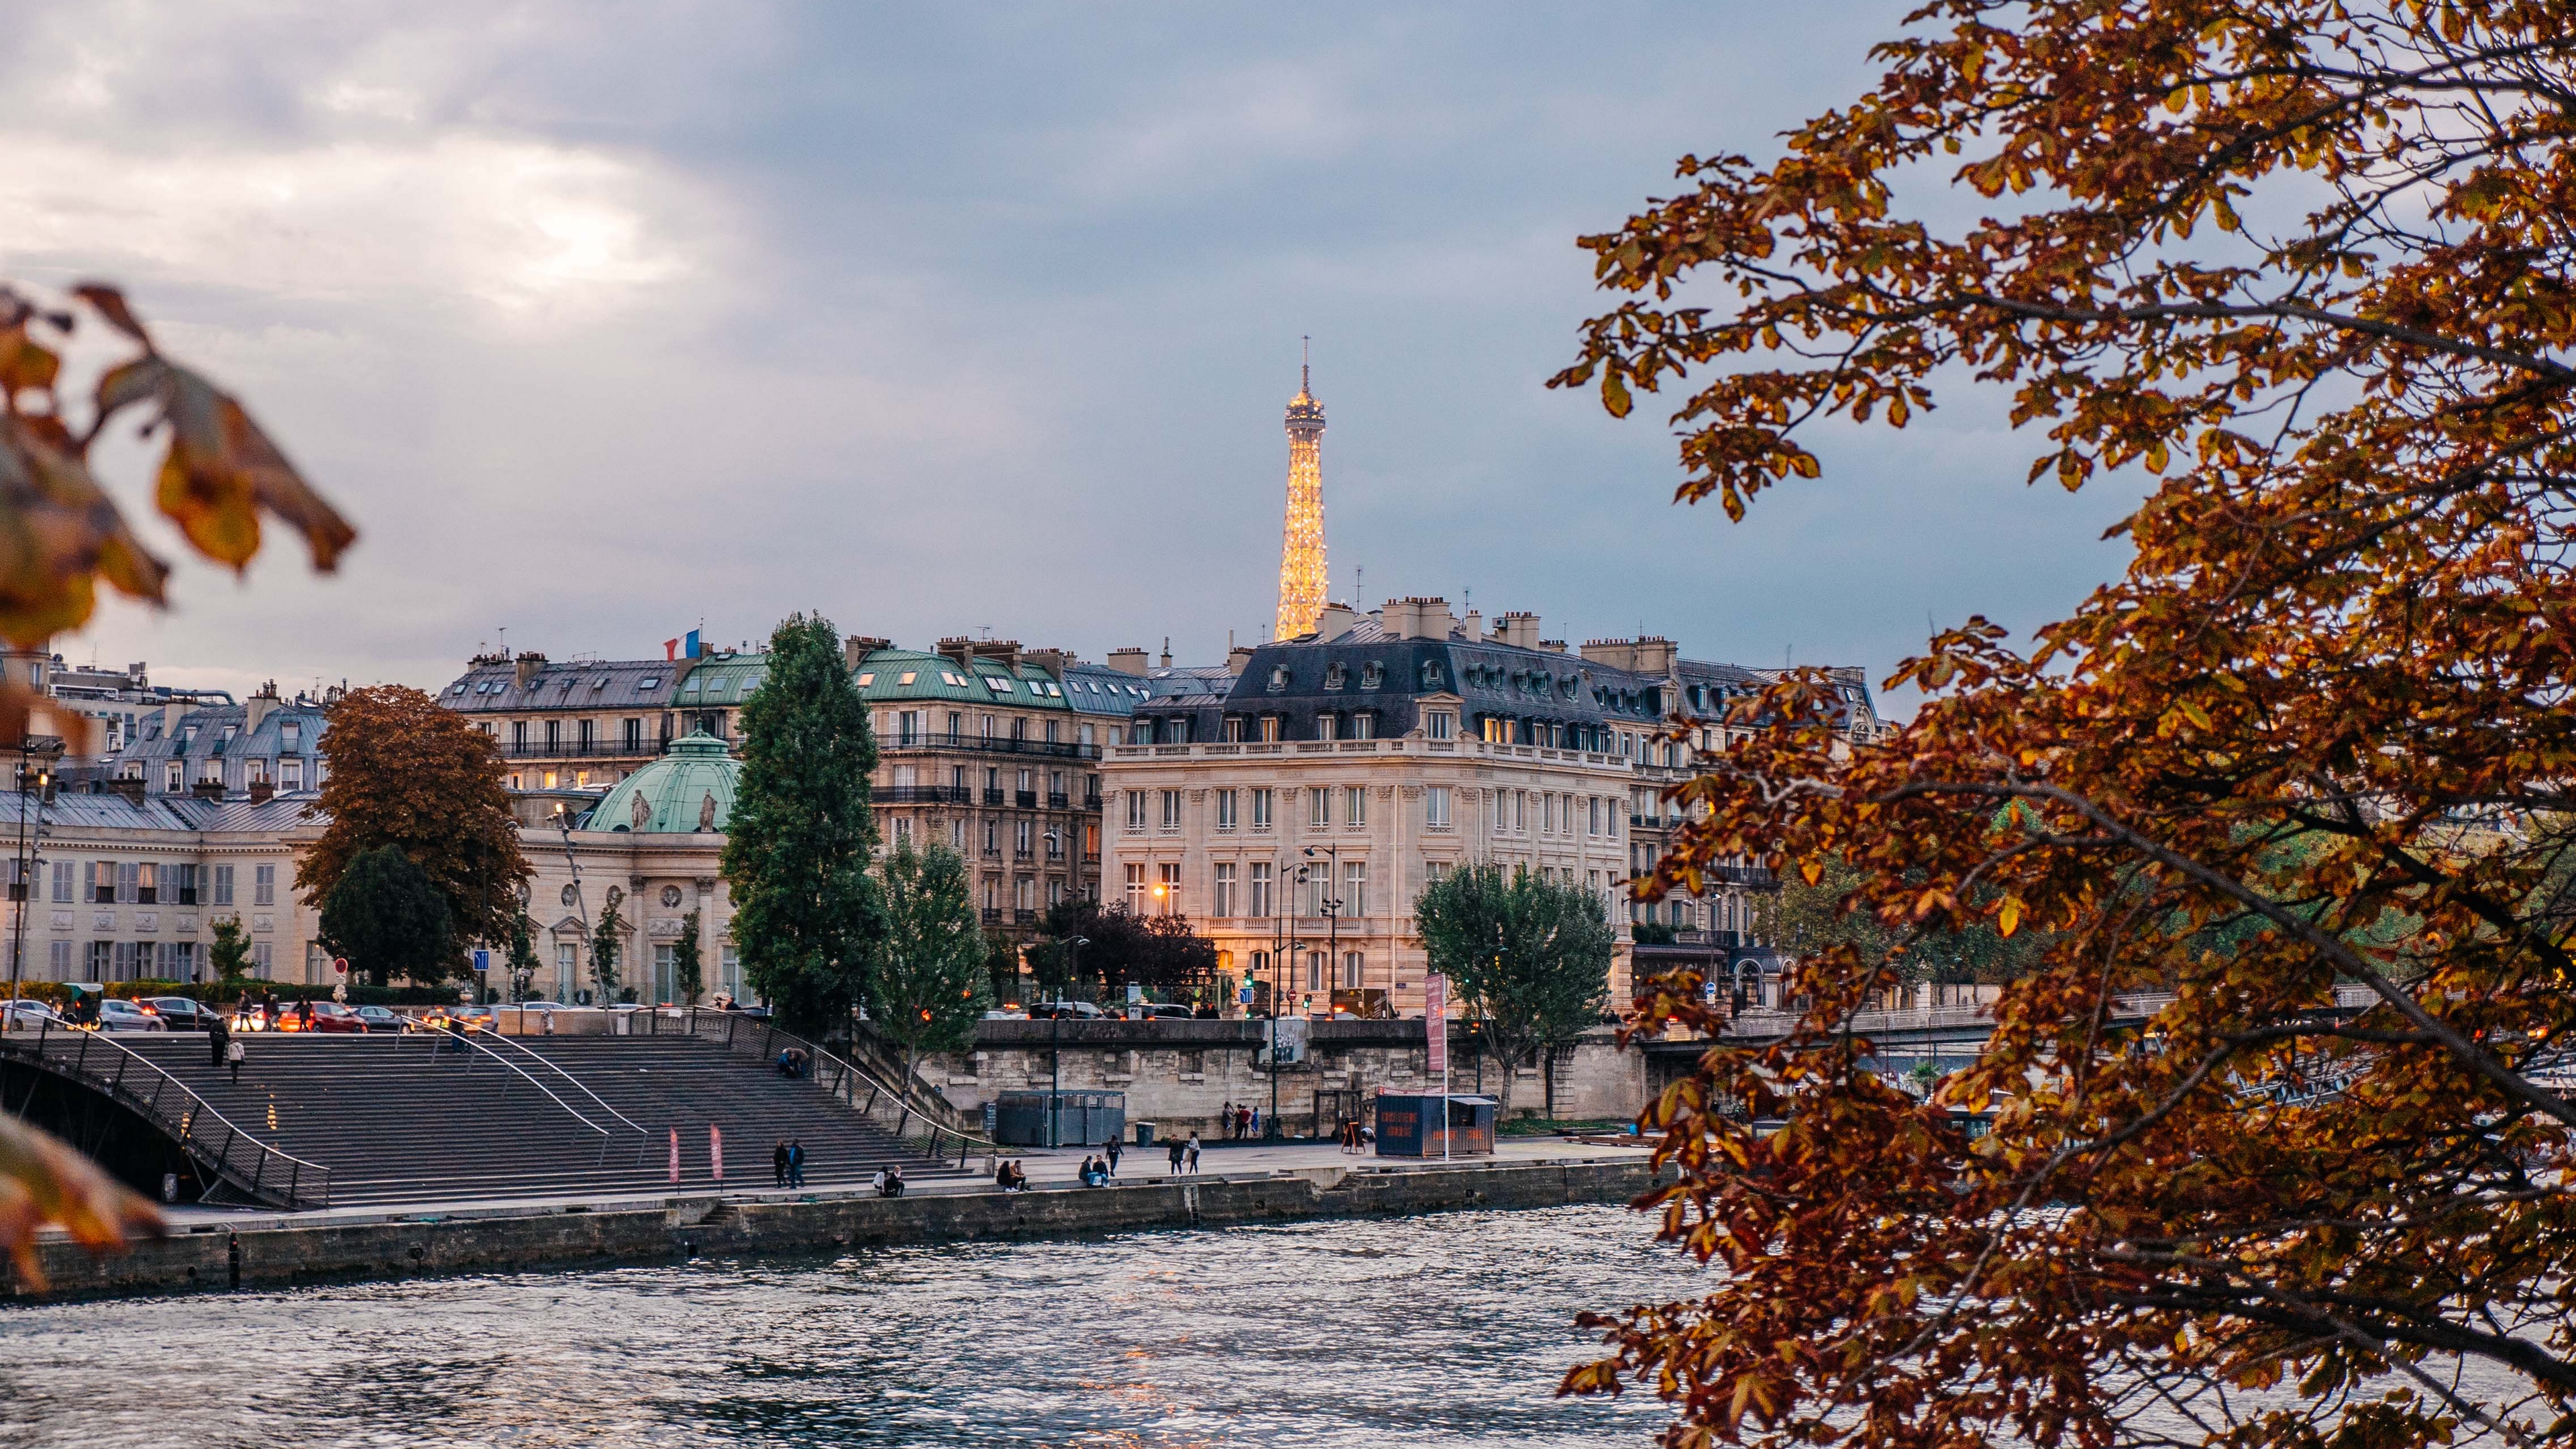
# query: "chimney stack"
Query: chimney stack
{"points": [[1130, 660], [529, 663], [258, 707], [1334, 622], [856, 649], [1475, 626], [1518, 629]]}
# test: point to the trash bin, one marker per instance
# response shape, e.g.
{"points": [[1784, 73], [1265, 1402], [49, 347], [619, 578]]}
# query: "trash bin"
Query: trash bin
{"points": [[1144, 1134]]}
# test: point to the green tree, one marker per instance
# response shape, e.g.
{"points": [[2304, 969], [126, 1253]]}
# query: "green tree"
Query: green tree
{"points": [[1163, 954], [389, 919], [523, 957], [797, 848], [1528, 957], [688, 973], [604, 946], [928, 980], [229, 955], [1002, 964], [1805, 918]]}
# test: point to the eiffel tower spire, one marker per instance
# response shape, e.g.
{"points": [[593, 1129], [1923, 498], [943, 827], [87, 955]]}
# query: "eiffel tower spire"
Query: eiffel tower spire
{"points": [[1301, 550]]}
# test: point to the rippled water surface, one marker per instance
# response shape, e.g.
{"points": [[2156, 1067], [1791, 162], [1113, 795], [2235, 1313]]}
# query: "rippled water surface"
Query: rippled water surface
{"points": [[1441, 1330]]}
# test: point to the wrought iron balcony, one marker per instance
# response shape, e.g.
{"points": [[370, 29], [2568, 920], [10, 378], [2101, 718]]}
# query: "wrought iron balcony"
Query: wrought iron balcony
{"points": [[1025, 799], [990, 745], [925, 795], [595, 750]]}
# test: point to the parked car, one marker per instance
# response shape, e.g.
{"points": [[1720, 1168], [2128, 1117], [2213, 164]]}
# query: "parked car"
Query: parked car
{"points": [[28, 1016], [117, 1015], [1077, 1010], [1006, 1014], [329, 1016], [543, 1006], [1167, 1011], [184, 1013], [383, 1018], [460, 1018]]}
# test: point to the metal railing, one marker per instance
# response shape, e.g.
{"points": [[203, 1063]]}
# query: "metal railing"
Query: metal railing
{"points": [[606, 1138], [995, 745], [903, 1116], [237, 1159]]}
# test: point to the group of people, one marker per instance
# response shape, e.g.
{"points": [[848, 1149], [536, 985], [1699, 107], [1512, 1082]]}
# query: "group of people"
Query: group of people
{"points": [[1096, 1171], [1239, 1120], [1185, 1155], [888, 1183], [792, 1062], [787, 1163], [223, 1048], [1011, 1176]]}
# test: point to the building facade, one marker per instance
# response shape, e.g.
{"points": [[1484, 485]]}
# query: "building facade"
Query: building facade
{"points": [[574, 724], [1295, 816], [993, 751]]}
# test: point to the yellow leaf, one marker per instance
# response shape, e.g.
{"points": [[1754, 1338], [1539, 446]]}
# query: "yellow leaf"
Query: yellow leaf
{"points": [[1813, 870], [2009, 919]]}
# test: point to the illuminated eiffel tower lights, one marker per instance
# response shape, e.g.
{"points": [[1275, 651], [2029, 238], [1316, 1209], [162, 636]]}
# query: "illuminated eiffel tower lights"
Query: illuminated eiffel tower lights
{"points": [[1301, 547]]}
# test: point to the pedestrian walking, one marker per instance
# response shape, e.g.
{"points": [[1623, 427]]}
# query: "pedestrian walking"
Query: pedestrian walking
{"points": [[796, 1162], [778, 1163], [1194, 1154], [1225, 1118], [233, 1055], [1110, 1150], [1173, 1151], [218, 1037]]}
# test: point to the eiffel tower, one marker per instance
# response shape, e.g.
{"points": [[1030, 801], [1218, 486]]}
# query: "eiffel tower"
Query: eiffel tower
{"points": [[1301, 548]]}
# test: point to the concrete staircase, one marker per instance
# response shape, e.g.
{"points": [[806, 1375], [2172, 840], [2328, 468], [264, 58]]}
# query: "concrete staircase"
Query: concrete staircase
{"points": [[399, 1120]]}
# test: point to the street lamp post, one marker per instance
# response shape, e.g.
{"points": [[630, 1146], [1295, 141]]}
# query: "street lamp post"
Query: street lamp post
{"points": [[1332, 907], [1055, 1039], [26, 882]]}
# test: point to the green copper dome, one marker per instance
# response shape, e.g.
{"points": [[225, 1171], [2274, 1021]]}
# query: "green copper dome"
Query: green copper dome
{"points": [[689, 789]]}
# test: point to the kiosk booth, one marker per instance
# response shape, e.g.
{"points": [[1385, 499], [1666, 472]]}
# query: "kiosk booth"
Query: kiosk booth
{"points": [[1409, 1125]]}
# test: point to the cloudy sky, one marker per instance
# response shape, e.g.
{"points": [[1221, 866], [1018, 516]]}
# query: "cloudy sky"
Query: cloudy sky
{"points": [[602, 320]]}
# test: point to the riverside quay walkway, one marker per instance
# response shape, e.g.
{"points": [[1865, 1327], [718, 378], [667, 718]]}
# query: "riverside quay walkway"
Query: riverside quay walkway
{"points": [[212, 1249]]}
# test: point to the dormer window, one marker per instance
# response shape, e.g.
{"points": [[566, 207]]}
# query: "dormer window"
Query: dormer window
{"points": [[1440, 724], [1336, 675], [1278, 678], [1431, 674], [1372, 675]]}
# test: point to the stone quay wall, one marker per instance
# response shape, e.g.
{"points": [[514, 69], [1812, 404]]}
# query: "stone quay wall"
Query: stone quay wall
{"points": [[278, 1252], [1180, 1074]]}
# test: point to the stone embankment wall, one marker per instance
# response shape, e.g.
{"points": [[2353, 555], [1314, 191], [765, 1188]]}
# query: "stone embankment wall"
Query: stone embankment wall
{"points": [[1179, 1074], [290, 1251]]}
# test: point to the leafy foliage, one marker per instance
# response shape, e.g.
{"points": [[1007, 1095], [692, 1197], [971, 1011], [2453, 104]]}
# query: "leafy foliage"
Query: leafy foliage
{"points": [[61, 534], [388, 918], [929, 982], [523, 955], [688, 969], [1803, 918], [1160, 953], [1528, 957], [229, 952], [606, 944], [2306, 264], [806, 914], [409, 773]]}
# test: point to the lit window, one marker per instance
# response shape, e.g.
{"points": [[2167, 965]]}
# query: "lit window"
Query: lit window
{"points": [[864, 681], [907, 677]]}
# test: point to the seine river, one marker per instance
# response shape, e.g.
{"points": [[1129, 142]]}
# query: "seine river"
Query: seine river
{"points": [[1443, 1330]]}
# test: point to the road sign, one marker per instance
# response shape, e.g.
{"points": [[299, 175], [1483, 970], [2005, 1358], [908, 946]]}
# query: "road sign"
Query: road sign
{"points": [[482, 959], [340, 964], [1135, 994]]}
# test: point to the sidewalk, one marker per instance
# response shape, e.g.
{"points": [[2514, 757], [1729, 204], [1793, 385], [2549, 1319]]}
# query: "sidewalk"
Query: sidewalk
{"points": [[1047, 1170]]}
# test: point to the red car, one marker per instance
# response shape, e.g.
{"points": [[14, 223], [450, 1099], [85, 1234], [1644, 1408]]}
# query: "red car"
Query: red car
{"points": [[327, 1016]]}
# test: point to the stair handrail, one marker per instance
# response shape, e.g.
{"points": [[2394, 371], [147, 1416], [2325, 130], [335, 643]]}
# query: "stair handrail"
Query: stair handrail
{"points": [[558, 1069], [845, 1078], [869, 1047], [300, 1174], [469, 1041]]}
